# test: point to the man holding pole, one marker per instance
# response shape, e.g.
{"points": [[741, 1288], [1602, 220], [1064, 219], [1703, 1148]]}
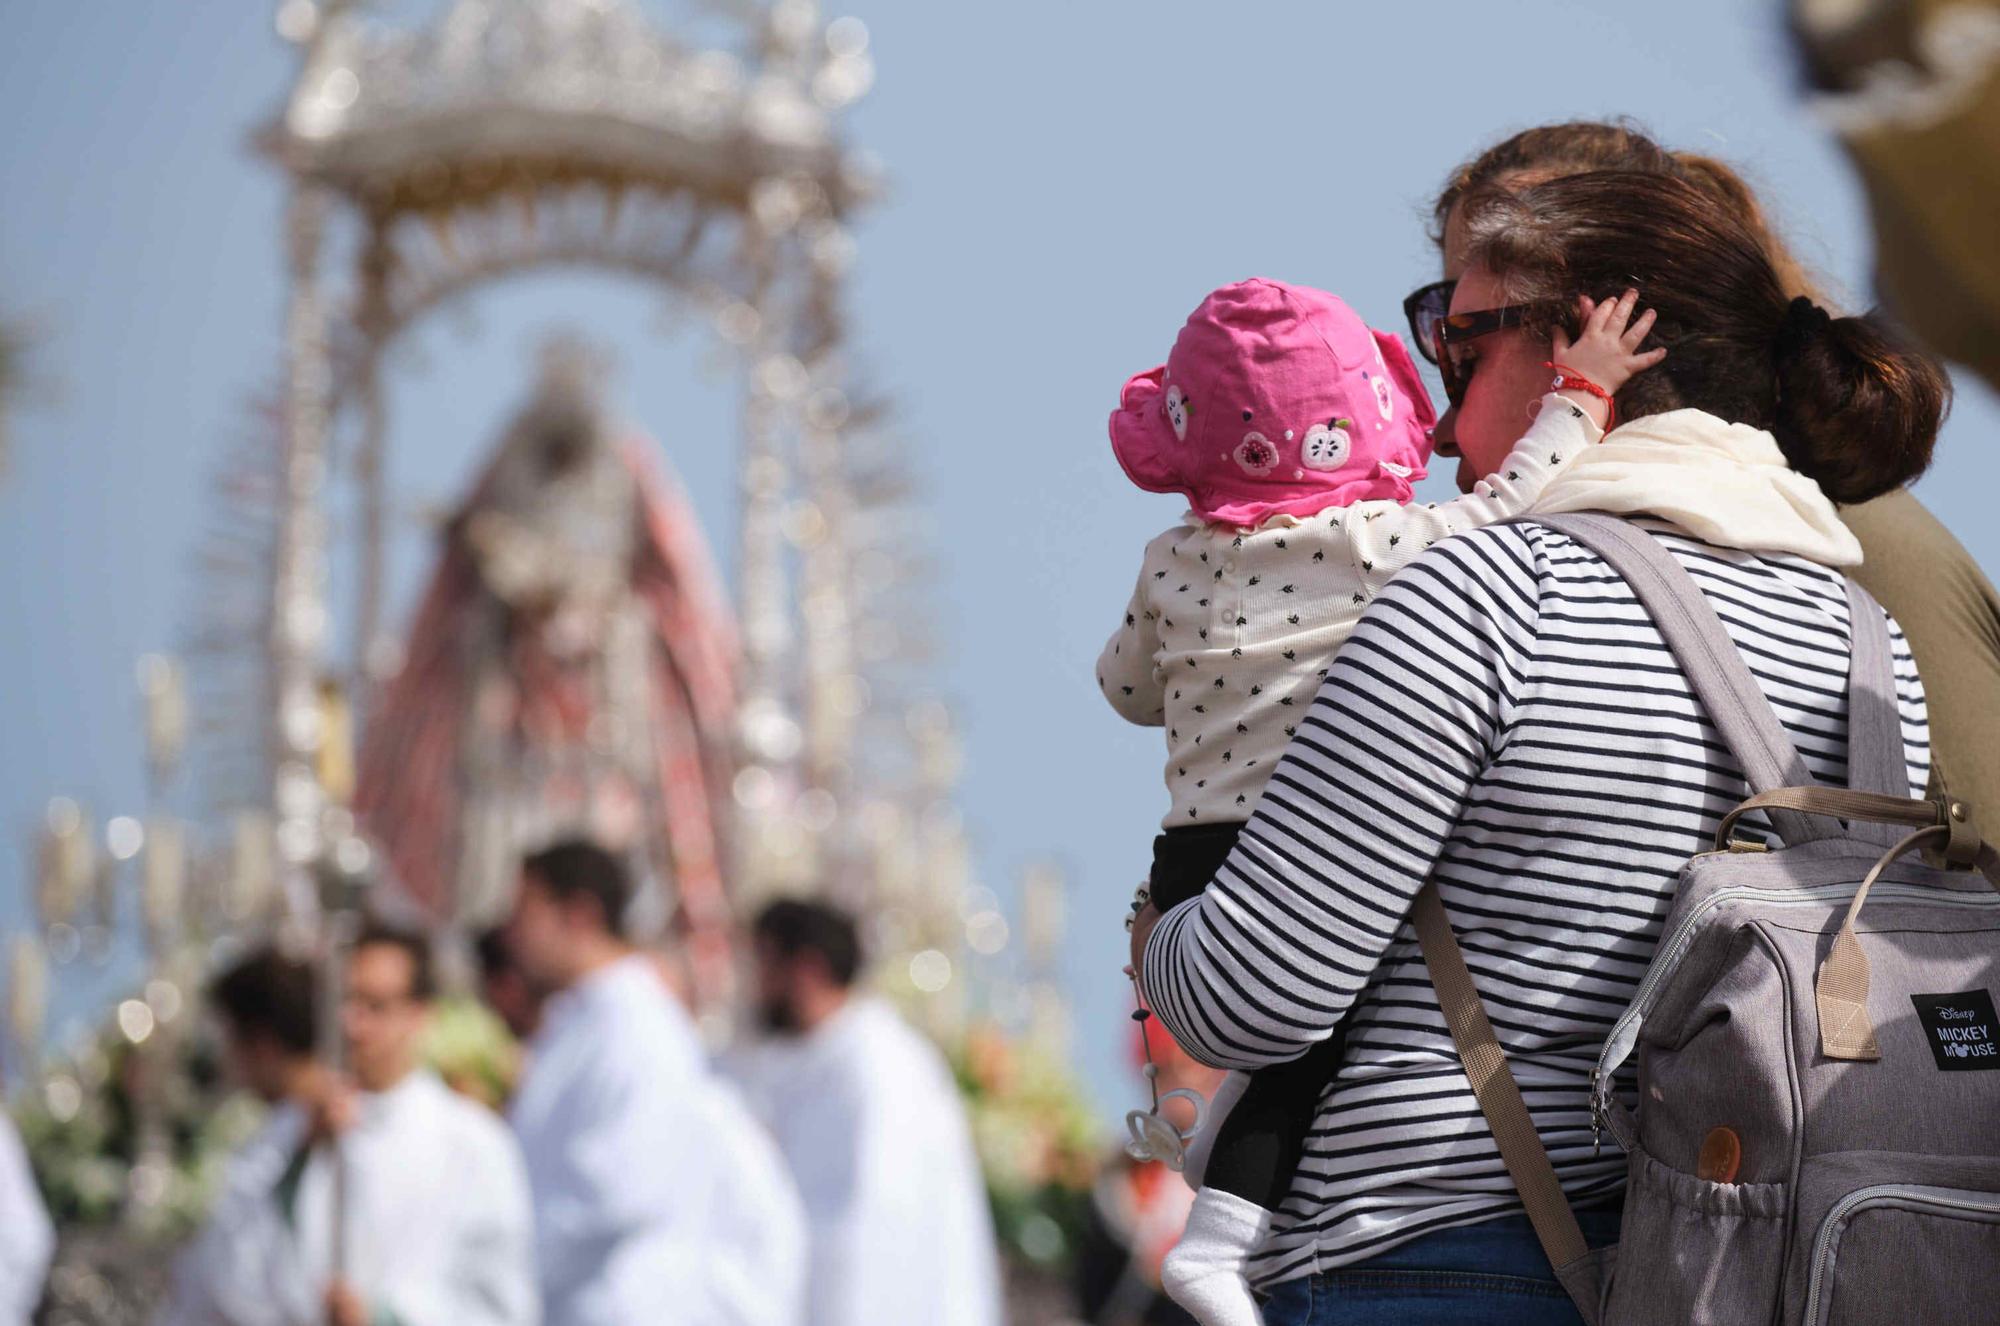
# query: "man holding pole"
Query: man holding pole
{"points": [[433, 1224]]}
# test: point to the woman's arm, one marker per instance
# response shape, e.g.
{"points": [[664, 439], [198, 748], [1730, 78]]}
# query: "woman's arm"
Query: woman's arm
{"points": [[1263, 965]]}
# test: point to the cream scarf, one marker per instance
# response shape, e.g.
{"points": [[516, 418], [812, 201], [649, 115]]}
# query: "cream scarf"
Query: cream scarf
{"points": [[1726, 484]]}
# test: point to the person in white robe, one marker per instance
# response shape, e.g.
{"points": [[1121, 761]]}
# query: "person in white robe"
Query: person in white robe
{"points": [[872, 1124], [657, 1196], [27, 1239], [435, 1225]]}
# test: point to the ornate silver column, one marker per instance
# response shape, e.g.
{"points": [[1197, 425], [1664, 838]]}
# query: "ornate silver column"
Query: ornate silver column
{"points": [[374, 647], [768, 734], [298, 598]]}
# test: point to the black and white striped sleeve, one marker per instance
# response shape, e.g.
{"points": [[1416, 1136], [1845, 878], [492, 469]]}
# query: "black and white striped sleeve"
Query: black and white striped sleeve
{"points": [[1910, 703], [1263, 964]]}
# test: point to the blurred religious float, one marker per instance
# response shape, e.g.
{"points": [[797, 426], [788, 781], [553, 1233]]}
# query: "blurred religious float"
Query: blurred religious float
{"points": [[572, 667], [520, 135]]}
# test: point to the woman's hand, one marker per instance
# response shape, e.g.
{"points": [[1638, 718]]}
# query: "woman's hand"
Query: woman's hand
{"points": [[1606, 350], [1142, 929]]}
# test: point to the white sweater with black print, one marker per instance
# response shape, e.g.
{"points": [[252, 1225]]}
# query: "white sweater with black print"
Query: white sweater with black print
{"points": [[1508, 722], [1229, 630]]}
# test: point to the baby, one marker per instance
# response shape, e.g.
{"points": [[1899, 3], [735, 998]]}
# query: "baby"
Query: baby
{"points": [[1295, 432]]}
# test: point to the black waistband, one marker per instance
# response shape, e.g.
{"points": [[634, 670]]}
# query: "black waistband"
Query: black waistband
{"points": [[1185, 859]]}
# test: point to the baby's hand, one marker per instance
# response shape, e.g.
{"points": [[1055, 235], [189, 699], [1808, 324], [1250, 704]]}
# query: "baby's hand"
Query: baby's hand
{"points": [[1607, 350]]}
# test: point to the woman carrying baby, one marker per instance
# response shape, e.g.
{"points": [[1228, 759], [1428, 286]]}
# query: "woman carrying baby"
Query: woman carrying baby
{"points": [[1506, 721]]}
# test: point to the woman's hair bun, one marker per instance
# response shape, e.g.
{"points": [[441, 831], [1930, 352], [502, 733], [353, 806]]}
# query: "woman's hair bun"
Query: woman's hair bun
{"points": [[1858, 408], [1805, 322]]}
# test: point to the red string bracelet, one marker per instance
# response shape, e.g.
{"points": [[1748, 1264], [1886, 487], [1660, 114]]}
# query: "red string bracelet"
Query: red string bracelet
{"points": [[1568, 379]]}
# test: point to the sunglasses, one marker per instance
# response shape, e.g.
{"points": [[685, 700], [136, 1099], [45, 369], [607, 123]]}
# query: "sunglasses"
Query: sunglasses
{"points": [[1424, 308], [1435, 328]]}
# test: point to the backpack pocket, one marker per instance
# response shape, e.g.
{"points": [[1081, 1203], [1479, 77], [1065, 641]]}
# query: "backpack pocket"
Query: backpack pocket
{"points": [[1897, 1249], [1696, 1252]]}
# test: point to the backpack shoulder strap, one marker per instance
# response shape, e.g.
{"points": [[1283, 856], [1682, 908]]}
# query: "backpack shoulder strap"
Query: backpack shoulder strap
{"points": [[1875, 760], [1499, 1096], [1721, 681]]}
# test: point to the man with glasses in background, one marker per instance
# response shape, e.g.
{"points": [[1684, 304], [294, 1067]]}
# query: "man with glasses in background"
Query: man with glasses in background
{"points": [[435, 1226]]}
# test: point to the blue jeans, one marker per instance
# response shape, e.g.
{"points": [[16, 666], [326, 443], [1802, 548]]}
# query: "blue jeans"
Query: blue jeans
{"points": [[1493, 1273]]}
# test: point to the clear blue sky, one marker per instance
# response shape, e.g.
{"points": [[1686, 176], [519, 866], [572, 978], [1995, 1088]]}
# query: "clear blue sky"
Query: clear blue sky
{"points": [[1067, 181]]}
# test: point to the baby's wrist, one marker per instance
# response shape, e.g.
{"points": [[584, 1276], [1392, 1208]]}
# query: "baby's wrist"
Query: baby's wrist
{"points": [[1598, 411], [1574, 384]]}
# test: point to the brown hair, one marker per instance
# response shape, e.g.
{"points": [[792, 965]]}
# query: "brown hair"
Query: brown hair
{"points": [[576, 868], [1852, 407], [411, 944], [1547, 152], [269, 994], [1551, 151], [1729, 188]]}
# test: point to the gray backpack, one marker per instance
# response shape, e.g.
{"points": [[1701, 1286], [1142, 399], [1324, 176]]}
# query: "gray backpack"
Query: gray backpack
{"points": [[1817, 1141]]}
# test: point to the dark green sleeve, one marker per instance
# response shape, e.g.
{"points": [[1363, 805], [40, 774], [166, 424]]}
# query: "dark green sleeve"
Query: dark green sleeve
{"points": [[1950, 614]]}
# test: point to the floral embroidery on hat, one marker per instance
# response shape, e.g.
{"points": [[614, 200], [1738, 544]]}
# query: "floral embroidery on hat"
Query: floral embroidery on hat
{"points": [[1179, 408], [1385, 400], [1256, 455], [1326, 446]]}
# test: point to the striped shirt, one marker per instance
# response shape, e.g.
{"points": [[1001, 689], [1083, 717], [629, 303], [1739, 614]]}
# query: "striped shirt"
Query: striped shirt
{"points": [[1507, 721]]}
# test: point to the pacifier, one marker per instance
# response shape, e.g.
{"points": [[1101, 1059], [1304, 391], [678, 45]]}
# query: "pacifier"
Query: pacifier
{"points": [[1154, 1137], [1150, 1134]]}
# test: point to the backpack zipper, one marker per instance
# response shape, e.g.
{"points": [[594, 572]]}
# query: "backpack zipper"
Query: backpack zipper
{"points": [[1854, 1201], [1625, 1032]]}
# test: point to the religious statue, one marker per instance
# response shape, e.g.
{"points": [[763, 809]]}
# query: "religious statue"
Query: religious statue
{"points": [[569, 672]]}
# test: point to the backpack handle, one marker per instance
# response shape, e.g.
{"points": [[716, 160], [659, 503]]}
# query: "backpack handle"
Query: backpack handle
{"points": [[1840, 994], [1962, 845]]}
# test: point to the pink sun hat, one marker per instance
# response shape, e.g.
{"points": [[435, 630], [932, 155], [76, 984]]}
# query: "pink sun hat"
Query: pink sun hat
{"points": [[1276, 400]]}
